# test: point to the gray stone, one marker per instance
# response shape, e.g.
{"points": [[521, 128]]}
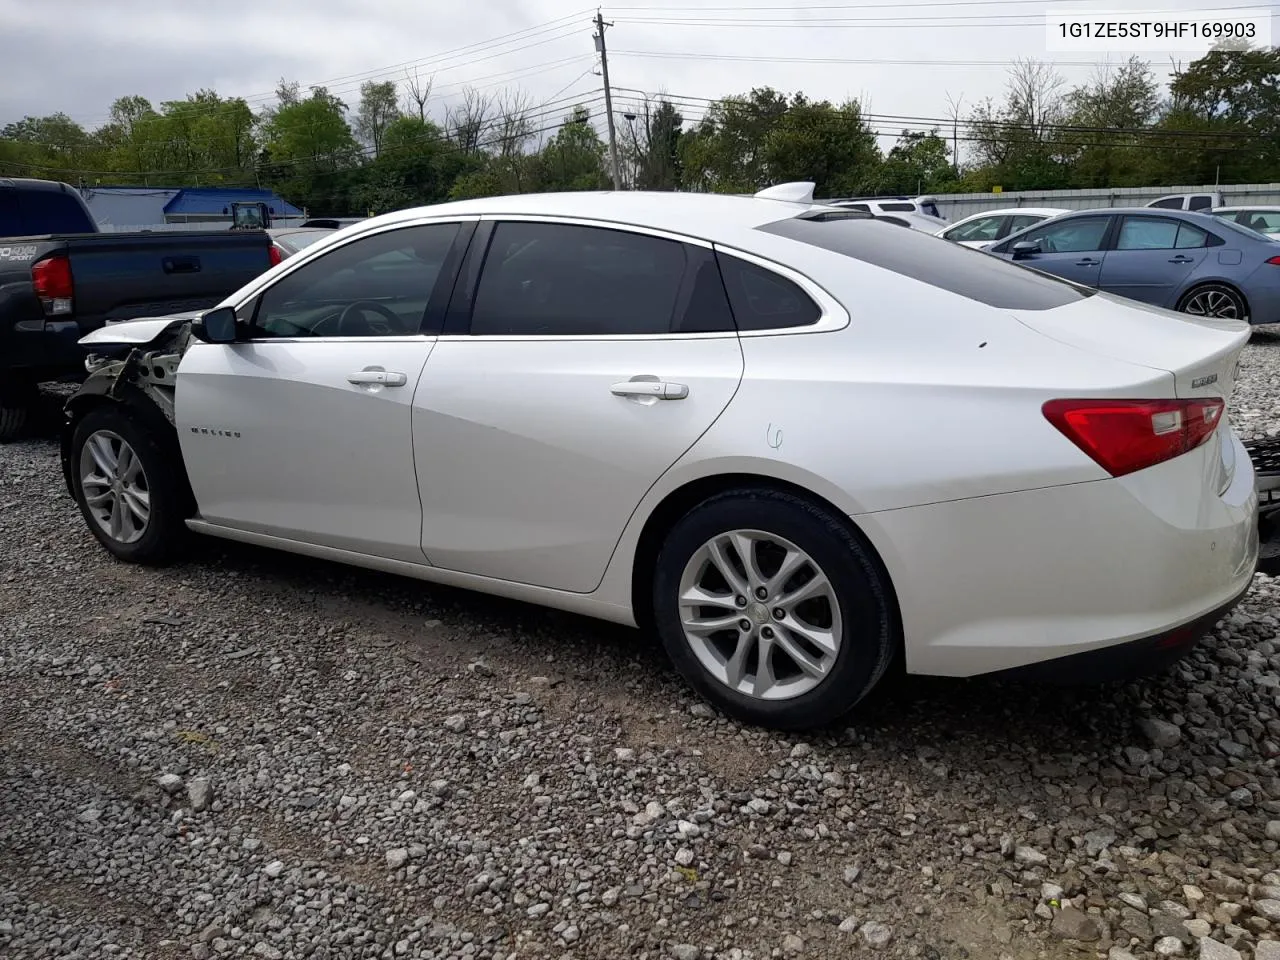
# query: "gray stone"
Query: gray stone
{"points": [[1266, 950], [1213, 950], [1071, 924], [1267, 909], [455, 722], [1170, 947], [793, 945], [200, 794], [397, 857], [685, 951], [1161, 733], [876, 934], [170, 783], [1029, 857]]}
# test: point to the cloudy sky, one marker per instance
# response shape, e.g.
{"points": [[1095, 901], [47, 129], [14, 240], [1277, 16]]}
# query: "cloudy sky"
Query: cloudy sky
{"points": [[900, 59]]}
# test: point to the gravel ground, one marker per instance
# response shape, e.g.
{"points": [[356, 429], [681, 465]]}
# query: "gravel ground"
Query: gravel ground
{"points": [[258, 755]]}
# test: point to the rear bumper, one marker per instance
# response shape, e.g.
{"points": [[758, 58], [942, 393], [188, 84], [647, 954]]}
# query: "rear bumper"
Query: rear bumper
{"points": [[992, 584], [42, 351], [1126, 661]]}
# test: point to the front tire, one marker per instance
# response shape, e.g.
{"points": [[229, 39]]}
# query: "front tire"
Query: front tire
{"points": [[1214, 300], [773, 610], [127, 487]]}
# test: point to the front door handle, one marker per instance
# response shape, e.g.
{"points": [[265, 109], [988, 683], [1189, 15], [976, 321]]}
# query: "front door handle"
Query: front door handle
{"points": [[387, 378], [1087, 262], [1181, 259], [661, 389]]}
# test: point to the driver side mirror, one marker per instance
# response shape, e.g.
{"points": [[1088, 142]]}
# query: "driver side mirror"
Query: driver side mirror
{"points": [[1025, 248], [216, 326]]}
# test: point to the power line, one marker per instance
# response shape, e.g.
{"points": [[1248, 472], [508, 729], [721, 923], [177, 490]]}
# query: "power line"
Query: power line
{"points": [[437, 62], [868, 61]]}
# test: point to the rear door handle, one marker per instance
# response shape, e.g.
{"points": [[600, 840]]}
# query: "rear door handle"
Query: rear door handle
{"points": [[661, 389], [1181, 259], [1087, 262], [388, 378]]}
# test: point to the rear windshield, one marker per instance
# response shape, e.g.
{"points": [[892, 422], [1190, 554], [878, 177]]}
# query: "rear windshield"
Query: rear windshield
{"points": [[25, 213], [913, 253]]}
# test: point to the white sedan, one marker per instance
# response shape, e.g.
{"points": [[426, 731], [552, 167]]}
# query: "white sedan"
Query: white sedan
{"points": [[793, 442], [979, 229]]}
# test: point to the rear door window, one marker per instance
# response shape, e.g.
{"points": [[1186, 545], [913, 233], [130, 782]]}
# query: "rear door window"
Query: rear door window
{"points": [[913, 253], [1201, 201], [1147, 233], [1168, 203]]}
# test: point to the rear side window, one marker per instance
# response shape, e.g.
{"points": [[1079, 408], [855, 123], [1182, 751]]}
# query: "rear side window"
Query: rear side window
{"points": [[10, 215], [763, 300], [1201, 202], [984, 230], [49, 211], [1024, 220], [555, 279], [930, 208], [898, 207], [1168, 203], [912, 253]]}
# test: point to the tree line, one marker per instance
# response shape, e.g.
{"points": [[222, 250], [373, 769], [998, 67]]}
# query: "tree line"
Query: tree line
{"points": [[1217, 121]]}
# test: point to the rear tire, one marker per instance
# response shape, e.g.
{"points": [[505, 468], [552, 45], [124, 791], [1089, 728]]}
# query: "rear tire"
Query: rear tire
{"points": [[17, 403], [1216, 300], [792, 650], [128, 486]]}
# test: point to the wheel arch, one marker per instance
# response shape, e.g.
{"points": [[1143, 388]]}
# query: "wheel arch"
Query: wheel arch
{"points": [[683, 498], [95, 395], [1209, 282]]}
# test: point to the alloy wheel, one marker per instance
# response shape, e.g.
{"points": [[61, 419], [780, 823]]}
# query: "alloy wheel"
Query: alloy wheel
{"points": [[114, 485], [1215, 303], [760, 615]]}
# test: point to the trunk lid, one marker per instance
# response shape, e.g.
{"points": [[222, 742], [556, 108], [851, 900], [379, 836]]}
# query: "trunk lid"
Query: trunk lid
{"points": [[1201, 353]]}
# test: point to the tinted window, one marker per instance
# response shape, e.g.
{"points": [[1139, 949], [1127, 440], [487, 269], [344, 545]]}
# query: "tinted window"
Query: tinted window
{"points": [[703, 305], [930, 208], [553, 279], [1023, 220], [1201, 202], [48, 211], [1168, 203], [899, 207], [1190, 237], [763, 300], [10, 215], [1147, 233], [983, 229], [913, 253], [857, 206], [371, 287], [1077, 235]]}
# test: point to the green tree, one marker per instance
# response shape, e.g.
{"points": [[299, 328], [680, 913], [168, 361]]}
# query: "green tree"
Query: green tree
{"points": [[379, 108], [917, 163]]}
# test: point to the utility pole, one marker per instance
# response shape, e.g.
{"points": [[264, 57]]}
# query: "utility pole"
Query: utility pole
{"points": [[608, 99]]}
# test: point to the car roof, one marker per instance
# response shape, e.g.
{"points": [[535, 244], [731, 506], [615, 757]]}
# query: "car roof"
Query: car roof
{"points": [[1266, 207], [686, 213], [1013, 211]]}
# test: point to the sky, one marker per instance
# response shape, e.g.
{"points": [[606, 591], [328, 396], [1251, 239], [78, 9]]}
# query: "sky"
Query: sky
{"points": [[906, 59]]}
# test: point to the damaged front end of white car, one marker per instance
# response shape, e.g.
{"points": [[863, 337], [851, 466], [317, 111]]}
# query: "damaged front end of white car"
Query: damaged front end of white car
{"points": [[133, 364]]}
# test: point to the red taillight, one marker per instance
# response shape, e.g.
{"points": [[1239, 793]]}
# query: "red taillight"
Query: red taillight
{"points": [[276, 255], [1275, 260], [51, 278], [1124, 436]]}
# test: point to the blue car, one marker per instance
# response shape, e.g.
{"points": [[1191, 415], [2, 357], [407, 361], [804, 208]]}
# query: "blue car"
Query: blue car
{"points": [[1191, 262]]}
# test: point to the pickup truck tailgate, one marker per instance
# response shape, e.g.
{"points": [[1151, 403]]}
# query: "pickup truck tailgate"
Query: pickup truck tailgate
{"points": [[121, 276]]}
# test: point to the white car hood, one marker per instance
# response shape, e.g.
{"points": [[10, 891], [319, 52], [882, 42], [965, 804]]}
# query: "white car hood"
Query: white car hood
{"points": [[136, 332]]}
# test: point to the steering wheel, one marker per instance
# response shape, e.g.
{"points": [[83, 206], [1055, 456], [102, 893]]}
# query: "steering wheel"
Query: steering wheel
{"points": [[355, 316]]}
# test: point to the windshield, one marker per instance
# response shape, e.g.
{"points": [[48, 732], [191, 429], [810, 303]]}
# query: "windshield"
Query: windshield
{"points": [[913, 253]]}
